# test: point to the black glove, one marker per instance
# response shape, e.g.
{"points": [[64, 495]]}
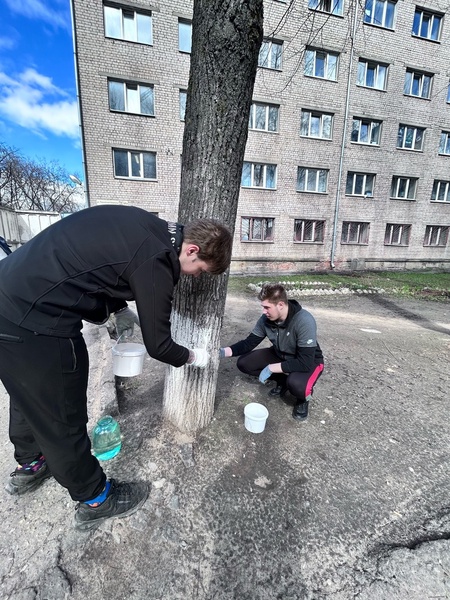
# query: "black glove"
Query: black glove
{"points": [[125, 320]]}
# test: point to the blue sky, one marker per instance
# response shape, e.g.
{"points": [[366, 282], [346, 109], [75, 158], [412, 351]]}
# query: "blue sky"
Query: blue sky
{"points": [[38, 106]]}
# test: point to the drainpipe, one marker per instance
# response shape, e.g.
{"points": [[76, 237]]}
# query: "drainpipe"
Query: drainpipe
{"points": [[341, 159], [77, 77]]}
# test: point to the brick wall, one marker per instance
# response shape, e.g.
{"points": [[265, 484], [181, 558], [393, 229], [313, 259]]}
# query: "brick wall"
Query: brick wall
{"points": [[167, 69]]}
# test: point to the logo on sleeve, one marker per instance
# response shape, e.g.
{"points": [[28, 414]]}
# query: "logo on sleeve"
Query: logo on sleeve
{"points": [[309, 341]]}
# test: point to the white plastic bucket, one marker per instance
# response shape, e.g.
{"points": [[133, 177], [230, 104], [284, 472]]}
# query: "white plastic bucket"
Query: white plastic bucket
{"points": [[128, 359], [255, 417]]}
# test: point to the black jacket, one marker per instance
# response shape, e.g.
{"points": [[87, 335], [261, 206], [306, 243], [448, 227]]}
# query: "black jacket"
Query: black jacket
{"points": [[294, 340], [87, 266]]}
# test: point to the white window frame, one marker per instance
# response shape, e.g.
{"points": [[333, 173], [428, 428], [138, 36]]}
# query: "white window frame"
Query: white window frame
{"points": [[314, 176], [438, 185], [402, 137], [309, 231], [134, 157], [367, 184], [264, 228], [422, 80], [408, 183], [253, 167], [256, 109], [362, 233], [397, 234], [374, 9], [418, 24], [271, 55], [306, 119], [184, 39], [373, 128], [182, 97], [441, 233], [132, 97], [444, 144], [330, 63], [380, 74], [331, 7], [124, 24]]}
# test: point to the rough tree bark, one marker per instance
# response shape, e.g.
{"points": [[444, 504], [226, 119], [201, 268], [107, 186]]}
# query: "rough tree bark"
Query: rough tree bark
{"points": [[226, 37]]}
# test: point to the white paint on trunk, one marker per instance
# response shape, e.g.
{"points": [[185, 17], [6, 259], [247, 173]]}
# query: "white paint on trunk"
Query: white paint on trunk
{"points": [[189, 392]]}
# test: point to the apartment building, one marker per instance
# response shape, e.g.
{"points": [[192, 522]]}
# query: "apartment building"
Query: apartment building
{"points": [[347, 162]]}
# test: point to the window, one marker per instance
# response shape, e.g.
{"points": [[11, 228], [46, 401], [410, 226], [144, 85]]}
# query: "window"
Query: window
{"points": [[134, 165], [417, 84], [184, 36], [127, 24], [334, 7], [448, 93], [410, 138], [263, 117], [436, 235], [131, 97], [366, 131], [427, 24], [320, 63], [312, 180], [259, 175], [315, 124], [444, 144], [308, 232], [404, 188], [372, 74], [270, 54], [355, 233], [397, 235], [380, 13], [256, 229], [183, 98], [441, 191], [359, 184]]}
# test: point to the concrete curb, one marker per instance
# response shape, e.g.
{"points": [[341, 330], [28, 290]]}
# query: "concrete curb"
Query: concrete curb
{"points": [[102, 395]]}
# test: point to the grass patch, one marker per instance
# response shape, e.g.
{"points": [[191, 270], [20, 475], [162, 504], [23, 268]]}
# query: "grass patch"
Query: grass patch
{"points": [[417, 284]]}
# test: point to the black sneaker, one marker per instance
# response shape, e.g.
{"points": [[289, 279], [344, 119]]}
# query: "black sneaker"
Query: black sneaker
{"points": [[28, 477], [279, 390], [300, 412], [123, 499]]}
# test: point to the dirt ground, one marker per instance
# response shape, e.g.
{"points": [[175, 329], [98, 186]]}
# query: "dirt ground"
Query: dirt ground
{"points": [[352, 503]]}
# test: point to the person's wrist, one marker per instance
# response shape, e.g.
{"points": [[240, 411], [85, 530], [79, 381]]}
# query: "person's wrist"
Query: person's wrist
{"points": [[191, 358]]}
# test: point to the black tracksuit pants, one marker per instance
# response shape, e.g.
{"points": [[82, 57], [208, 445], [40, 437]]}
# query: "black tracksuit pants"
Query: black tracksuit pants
{"points": [[300, 385], [46, 378]]}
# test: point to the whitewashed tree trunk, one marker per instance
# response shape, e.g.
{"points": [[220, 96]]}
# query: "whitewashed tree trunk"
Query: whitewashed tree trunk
{"points": [[226, 37]]}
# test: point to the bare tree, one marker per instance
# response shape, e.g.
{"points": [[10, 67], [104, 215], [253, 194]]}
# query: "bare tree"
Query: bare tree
{"points": [[226, 40], [29, 185]]}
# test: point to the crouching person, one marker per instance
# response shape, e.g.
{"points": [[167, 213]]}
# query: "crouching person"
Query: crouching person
{"points": [[295, 360]]}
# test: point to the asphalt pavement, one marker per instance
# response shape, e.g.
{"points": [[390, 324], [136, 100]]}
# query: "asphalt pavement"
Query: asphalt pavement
{"points": [[354, 503]]}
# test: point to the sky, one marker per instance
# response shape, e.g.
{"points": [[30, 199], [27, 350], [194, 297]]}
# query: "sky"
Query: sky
{"points": [[38, 100]]}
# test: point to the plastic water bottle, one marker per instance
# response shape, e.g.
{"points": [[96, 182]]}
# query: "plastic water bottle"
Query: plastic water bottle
{"points": [[106, 438]]}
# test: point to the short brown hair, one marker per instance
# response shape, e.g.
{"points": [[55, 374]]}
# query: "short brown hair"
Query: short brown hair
{"points": [[273, 293], [215, 242]]}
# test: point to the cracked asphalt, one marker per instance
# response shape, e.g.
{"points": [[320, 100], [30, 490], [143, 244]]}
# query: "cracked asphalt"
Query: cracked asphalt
{"points": [[352, 504]]}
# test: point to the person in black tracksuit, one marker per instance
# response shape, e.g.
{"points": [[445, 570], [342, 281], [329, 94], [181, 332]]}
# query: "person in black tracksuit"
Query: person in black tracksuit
{"points": [[294, 361], [86, 267]]}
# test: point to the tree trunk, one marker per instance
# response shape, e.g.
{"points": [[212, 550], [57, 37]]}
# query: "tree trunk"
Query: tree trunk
{"points": [[226, 37]]}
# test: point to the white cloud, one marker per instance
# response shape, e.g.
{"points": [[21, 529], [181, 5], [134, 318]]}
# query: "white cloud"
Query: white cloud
{"points": [[7, 43], [32, 101], [36, 9]]}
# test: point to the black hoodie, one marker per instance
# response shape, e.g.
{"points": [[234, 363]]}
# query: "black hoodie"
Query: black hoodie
{"points": [[87, 266], [293, 341]]}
